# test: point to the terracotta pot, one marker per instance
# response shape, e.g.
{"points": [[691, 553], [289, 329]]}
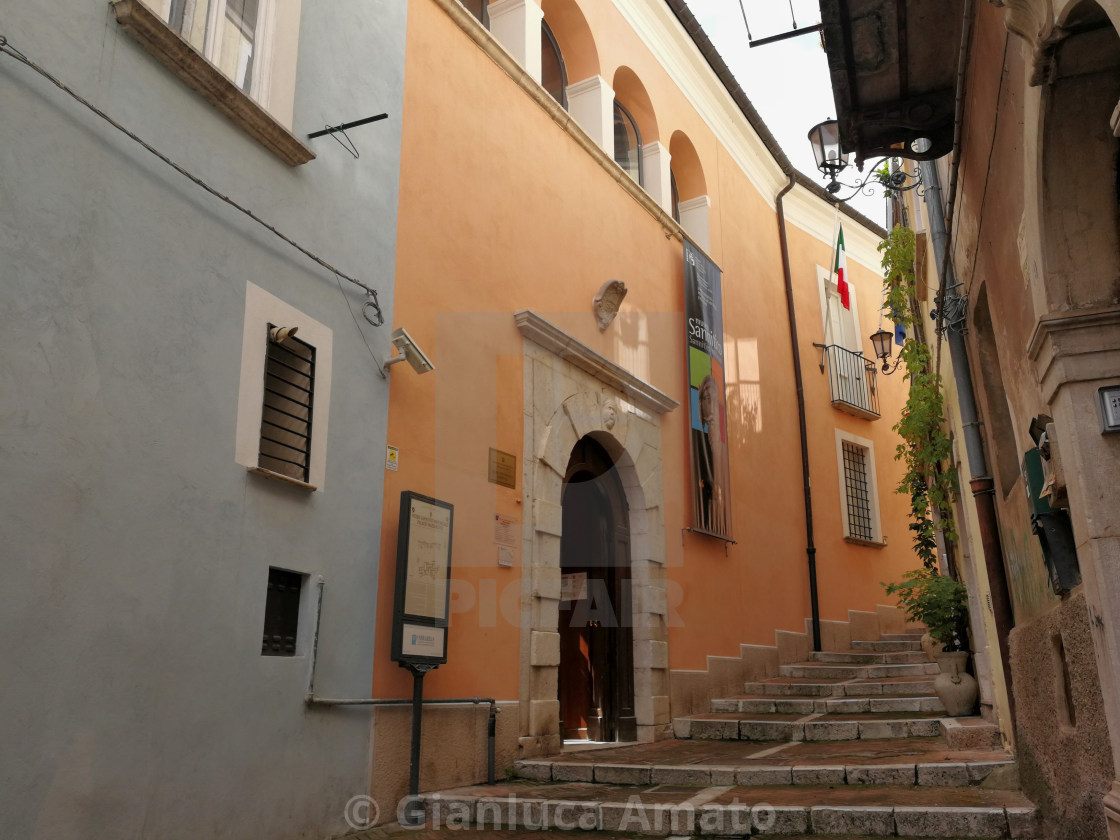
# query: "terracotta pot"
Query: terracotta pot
{"points": [[930, 647], [955, 687]]}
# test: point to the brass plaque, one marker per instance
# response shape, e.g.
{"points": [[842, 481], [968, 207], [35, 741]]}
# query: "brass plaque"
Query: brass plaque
{"points": [[503, 468]]}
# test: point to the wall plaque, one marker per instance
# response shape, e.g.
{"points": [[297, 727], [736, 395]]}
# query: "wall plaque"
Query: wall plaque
{"points": [[503, 468]]}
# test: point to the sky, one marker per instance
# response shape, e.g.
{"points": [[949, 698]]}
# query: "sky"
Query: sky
{"points": [[787, 81]]}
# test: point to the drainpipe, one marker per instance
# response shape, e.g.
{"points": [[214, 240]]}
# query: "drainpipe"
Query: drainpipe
{"points": [[982, 484], [810, 549]]}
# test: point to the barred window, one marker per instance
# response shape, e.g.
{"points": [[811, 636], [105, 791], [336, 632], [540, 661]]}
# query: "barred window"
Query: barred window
{"points": [[289, 396], [281, 613], [857, 491]]}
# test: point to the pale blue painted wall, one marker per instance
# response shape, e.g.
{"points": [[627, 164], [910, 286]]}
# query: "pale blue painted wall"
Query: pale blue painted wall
{"points": [[134, 551]]}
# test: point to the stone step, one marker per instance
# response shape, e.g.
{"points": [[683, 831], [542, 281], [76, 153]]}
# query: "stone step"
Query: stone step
{"points": [[939, 774], [816, 727], [803, 687], [855, 672], [661, 809], [921, 761], [760, 704], [886, 645], [914, 636], [864, 657]]}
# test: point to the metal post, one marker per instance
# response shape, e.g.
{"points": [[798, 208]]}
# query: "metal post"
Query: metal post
{"points": [[417, 712], [491, 728]]}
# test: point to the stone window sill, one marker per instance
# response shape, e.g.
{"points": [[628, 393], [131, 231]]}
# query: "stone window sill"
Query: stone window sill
{"points": [[185, 62], [287, 479], [868, 543]]}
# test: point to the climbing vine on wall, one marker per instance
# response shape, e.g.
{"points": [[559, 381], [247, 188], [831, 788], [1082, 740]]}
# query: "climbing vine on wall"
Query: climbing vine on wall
{"points": [[926, 450]]}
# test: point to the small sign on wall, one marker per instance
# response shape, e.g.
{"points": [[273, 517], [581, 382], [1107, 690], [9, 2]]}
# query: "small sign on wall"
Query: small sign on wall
{"points": [[392, 456], [505, 530], [503, 468], [1110, 409]]}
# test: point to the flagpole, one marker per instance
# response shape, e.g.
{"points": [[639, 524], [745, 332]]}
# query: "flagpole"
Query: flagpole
{"points": [[828, 282]]}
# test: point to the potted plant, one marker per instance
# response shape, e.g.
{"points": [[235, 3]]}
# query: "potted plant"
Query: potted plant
{"points": [[941, 604]]}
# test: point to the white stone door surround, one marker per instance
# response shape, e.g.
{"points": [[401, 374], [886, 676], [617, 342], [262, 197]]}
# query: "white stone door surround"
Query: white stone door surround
{"points": [[572, 391]]}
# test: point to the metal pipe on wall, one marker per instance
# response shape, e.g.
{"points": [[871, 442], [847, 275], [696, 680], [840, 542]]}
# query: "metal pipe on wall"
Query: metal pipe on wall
{"points": [[810, 548], [312, 700]]}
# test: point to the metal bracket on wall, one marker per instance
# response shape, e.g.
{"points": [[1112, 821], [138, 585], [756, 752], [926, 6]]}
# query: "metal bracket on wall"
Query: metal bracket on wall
{"points": [[954, 311], [336, 129]]}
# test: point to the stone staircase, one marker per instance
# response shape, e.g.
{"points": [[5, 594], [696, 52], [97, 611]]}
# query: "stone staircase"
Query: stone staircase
{"points": [[848, 744]]}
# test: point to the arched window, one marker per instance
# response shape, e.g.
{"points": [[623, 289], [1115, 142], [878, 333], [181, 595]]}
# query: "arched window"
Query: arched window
{"points": [[554, 76], [674, 198], [627, 143], [479, 10]]}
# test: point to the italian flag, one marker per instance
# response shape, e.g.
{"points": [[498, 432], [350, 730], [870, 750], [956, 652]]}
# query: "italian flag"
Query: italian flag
{"points": [[841, 271]]}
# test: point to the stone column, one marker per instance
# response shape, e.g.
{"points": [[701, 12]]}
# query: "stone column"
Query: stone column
{"points": [[516, 24], [655, 173], [694, 219], [1074, 354], [591, 104]]}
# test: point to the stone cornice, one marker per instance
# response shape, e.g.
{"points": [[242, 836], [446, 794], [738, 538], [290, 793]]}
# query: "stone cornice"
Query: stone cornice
{"points": [[552, 338], [1076, 346], [816, 218]]}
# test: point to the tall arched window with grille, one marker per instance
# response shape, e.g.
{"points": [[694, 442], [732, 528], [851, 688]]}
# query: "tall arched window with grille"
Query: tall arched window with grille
{"points": [[627, 142], [554, 76]]}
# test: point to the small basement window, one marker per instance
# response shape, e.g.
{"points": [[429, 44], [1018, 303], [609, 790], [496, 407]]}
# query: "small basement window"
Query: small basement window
{"points": [[289, 397], [281, 613]]}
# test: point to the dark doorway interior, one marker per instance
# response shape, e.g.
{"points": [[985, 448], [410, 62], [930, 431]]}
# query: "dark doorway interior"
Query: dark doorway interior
{"points": [[596, 677]]}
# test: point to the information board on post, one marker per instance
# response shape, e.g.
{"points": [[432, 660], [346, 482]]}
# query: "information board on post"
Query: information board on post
{"points": [[421, 598]]}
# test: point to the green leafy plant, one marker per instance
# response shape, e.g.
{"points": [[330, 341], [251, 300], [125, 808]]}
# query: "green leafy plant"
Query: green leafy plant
{"points": [[930, 478], [938, 602]]}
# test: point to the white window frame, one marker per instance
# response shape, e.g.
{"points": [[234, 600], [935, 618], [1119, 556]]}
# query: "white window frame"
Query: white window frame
{"points": [[275, 44], [827, 286], [872, 488], [262, 309]]}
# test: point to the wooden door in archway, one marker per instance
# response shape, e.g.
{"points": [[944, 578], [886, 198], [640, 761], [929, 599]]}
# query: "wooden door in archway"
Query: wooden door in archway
{"points": [[596, 676]]}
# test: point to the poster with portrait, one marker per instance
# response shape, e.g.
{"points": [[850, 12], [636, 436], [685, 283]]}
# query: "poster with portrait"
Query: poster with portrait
{"points": [[707, 395]]}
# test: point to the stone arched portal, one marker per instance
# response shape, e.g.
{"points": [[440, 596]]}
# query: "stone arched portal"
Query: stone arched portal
{"points": [[572, 392]]}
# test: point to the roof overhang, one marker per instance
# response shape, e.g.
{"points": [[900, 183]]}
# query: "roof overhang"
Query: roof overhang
{"points": [[893, 65]]}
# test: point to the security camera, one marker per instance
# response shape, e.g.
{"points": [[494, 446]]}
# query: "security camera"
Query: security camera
{"points": [[407, 351]]}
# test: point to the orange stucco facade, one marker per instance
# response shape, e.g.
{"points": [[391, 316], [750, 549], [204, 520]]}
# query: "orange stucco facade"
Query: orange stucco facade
{"points": [[502, 209]]}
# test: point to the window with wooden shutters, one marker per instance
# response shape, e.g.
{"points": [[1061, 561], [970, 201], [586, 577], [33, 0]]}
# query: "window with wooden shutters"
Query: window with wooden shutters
{"points": [[289, 397]]}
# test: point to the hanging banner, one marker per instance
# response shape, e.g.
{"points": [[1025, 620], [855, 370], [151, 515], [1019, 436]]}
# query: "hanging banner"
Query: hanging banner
{"points": [[707, 392]]}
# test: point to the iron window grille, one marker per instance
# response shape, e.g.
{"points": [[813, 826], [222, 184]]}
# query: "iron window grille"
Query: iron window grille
{"points": [[286, 417], [857, 491], [281, 613]]}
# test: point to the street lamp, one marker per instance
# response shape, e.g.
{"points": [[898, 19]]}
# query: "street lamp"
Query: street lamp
{"points": [[882, 341], [832, 160]]}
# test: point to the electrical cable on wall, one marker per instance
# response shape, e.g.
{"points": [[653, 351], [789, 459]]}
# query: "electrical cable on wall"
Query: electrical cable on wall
{"points": [[371, 308]]}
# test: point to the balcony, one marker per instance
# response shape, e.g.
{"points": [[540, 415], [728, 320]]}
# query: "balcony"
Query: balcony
{"points": [[851, 381]]}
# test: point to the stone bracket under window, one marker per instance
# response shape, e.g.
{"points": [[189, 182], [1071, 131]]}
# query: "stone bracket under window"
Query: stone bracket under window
{"points": [[185, 62]]}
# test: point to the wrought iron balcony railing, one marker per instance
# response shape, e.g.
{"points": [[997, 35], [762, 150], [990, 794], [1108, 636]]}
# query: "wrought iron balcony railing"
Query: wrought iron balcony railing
{"points": [[851, 379]]}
